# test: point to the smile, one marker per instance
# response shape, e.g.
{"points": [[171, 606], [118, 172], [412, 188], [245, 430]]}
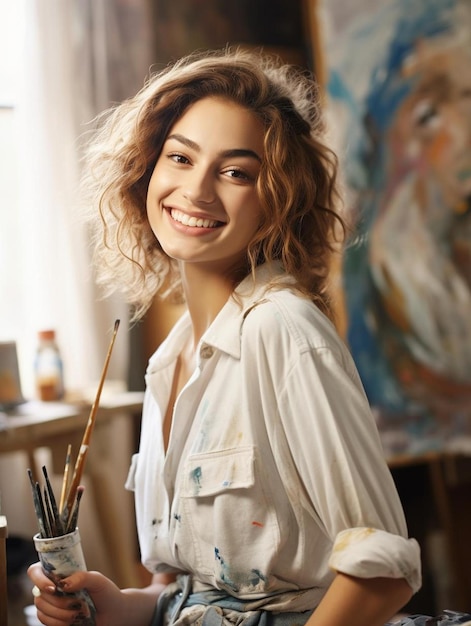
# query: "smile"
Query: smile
{"points": [[197, 222]]}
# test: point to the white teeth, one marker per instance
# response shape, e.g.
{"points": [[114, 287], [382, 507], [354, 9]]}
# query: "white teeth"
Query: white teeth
{"points": [[186, 220]]}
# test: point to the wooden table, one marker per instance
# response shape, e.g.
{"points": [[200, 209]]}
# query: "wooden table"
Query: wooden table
{"points": [[56, 424]]}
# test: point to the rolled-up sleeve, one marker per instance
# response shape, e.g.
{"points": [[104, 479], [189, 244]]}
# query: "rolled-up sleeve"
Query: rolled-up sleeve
{"points": [[370, 553]]}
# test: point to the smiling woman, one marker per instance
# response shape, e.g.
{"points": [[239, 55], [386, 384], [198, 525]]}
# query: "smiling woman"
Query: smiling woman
{"points": [[290, 178], [253, 498]]}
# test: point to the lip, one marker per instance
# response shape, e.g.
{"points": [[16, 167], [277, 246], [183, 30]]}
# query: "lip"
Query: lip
{"points": [[194, 229]]}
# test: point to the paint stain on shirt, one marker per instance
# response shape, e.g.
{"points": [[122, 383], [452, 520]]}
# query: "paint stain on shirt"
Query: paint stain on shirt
{"points": [[155, 523], [195, 476], [355, 535], [239, 581], [256, 577], [224, 572]]}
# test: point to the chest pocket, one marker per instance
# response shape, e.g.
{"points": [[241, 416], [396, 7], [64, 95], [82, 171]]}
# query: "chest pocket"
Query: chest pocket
{"points": [[217, 472], [225, 523]]}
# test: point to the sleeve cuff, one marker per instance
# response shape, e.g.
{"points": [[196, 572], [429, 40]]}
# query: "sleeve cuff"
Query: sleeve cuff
{"points": [[372, 553]]}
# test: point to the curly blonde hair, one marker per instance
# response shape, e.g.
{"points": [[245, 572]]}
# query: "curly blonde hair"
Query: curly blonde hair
{"points": [[296, 185]]}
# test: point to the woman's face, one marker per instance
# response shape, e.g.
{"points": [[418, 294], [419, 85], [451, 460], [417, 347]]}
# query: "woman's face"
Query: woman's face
{"points": [[202, 201], [434, 126]]}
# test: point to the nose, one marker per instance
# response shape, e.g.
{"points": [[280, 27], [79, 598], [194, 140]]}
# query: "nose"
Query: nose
{"points": [[198, 187]]}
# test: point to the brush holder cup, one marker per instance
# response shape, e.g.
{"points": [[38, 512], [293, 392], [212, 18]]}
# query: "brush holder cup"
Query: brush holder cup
{"points": [[60, 557]]}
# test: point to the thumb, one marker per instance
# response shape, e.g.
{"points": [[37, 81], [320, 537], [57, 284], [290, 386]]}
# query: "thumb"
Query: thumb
{"points": [[94, 582]]}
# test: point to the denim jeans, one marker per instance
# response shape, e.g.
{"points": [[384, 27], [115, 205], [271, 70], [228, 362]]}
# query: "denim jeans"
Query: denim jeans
{"points": [[223, 610]]}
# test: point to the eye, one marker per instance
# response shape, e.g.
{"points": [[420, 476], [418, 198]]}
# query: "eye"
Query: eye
{"points": [[178, 158], [236, 173], [426, 115]]}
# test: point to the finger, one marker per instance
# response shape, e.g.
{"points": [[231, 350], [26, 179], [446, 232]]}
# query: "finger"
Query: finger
{"points": [[46, 597], [94, 582], [52, 612], [36, 591]]}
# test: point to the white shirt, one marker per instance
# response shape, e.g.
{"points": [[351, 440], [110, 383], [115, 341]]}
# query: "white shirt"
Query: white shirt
{"points": [[274, 475]]}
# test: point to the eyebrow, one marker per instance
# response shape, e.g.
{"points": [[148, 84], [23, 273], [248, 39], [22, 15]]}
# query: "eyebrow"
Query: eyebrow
{"points": [[233, 152]]}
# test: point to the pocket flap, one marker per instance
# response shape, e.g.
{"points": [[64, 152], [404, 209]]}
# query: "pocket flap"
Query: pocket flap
{"points": [[215, 472]]}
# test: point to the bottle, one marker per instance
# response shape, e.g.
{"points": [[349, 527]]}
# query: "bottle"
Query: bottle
{"points": [[48, 368]]}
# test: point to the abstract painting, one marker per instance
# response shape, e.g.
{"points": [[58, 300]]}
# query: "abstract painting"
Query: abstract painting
{"points": [[398, 92]]}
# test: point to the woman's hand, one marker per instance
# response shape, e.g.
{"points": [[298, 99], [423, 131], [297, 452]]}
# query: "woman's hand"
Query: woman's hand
{"points": [[113, 605]]}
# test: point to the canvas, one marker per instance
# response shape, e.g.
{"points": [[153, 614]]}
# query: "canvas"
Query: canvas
{"points": [[398, 84]]}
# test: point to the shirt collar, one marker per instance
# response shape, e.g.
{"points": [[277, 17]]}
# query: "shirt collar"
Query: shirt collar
{"points": [[225, 331]]}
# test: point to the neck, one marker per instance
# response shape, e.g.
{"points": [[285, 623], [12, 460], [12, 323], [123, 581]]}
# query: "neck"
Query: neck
{"points": [[206, 292]]}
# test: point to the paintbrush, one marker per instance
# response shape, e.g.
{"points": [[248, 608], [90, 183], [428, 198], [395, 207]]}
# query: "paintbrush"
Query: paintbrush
{"points": [[75, 511], [43, 515], [55, 518], [37, 502], [65, 483], [49, 515], [81, 457]]}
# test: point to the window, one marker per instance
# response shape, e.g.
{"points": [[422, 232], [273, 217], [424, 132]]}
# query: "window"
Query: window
{"points": [[46, 282]]}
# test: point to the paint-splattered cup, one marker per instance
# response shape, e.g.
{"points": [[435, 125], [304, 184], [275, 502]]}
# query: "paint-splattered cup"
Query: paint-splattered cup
{"points": [[60, 557]]}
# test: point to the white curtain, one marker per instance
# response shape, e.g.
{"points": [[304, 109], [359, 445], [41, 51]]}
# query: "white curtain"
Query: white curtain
{"points": [[76, 61]]}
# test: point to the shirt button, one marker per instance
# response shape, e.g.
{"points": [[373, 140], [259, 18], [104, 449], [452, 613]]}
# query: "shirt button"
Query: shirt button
{"points": [[206, 352]]}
